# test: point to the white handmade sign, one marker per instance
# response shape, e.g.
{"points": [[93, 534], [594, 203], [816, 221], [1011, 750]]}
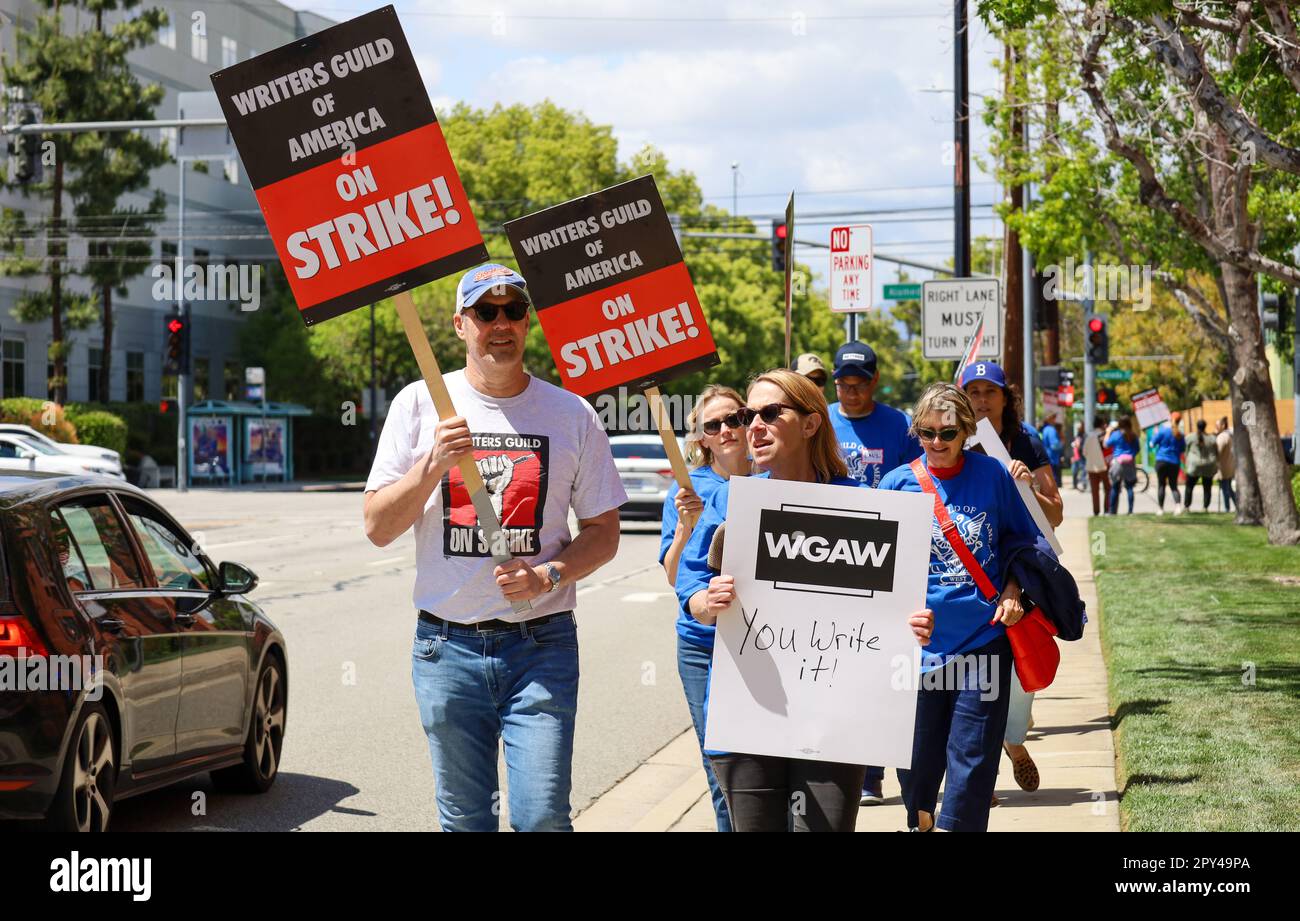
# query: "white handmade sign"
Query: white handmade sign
{"points": [[988, 439], [816, 659]]}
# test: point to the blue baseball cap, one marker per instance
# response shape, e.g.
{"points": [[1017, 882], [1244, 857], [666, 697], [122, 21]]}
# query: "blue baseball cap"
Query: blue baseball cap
{"points": [[489, 278], [855, 359], [983, 371]]}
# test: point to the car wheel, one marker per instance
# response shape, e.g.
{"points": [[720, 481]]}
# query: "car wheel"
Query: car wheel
{"points": [[85, 798], [265, 736]]}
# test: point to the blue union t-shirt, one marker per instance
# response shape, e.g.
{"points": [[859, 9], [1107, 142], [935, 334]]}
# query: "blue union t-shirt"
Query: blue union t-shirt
{"points": [[874, 444], [983, 502], [705, 481]]}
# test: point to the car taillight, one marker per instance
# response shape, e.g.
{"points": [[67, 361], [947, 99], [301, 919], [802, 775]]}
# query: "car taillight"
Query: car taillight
{"points": [[667, 473], [18, 640]]}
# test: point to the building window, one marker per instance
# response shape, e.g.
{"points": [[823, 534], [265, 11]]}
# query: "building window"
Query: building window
{"points": [[232, 379], [201, 371], [167, 36], [135, 377], [199, 46], [232, 171], [15, 368], [170, 137], [95, 365], [229, 51]]}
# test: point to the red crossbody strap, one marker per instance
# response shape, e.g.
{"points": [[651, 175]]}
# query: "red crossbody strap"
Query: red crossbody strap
{"points": [[951, 534]]}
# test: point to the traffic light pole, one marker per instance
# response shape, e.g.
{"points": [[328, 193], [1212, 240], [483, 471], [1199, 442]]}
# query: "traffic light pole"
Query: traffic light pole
{"points": [[182, 456], [1089, 369], [961, 144]]}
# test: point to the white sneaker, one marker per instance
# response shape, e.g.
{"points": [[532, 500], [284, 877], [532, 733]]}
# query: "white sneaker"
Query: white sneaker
{"points": [[1178, 509], [1160, 509]]}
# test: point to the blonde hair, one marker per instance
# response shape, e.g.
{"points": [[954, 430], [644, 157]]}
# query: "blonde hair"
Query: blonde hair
{"points": [[947, 400], [807, 397], [697, 453]]}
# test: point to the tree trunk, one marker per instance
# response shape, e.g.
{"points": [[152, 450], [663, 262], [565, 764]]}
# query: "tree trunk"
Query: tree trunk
{"points": [[106, 356], [1249, 509], [1258, 413]]}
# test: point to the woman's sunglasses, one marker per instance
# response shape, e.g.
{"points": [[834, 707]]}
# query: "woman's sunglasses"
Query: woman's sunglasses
{"points": [[713, 426], [769, 413], [944, 434], [487, 313]]}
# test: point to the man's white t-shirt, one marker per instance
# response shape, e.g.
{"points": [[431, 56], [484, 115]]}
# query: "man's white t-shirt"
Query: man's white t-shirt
{"points": [[540, 453]]}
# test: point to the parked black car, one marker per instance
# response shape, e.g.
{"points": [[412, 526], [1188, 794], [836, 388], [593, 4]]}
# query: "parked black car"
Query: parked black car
{"points": [[189, 675]]}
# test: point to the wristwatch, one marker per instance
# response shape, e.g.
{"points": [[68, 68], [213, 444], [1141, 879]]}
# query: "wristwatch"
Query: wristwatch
{"points": [[552, 577]]}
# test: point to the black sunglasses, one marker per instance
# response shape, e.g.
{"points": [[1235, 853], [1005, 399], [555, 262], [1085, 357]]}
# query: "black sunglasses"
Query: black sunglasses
{"points": [[713, 426], [944, 434], [769, 413], [487, 313]]}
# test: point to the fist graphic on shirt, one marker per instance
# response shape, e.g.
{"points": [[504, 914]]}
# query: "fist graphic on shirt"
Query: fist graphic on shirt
{"points": [[497, 470]]}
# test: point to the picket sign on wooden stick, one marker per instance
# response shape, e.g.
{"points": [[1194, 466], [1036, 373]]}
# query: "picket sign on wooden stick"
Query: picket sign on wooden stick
{"points": [[671, 448], [478, 494]]}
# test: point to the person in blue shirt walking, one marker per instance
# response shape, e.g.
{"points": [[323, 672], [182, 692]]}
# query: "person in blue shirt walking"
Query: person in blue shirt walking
{"points": [[874, 439], [1052, 442], [961, 712], [1169, 447], [785, 418], [1123, 443], [716, 450]]}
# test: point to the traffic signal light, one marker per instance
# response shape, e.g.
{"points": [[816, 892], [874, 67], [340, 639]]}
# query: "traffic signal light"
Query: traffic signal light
{"points": [[24, 153], [1106, 396], [1097, 339], [778, 246], [1272, 311], [166, 406], [176, 354]]}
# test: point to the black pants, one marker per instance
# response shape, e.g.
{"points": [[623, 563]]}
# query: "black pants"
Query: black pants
{"points": [[766, 793], [1207, 481], [1168, 473]]}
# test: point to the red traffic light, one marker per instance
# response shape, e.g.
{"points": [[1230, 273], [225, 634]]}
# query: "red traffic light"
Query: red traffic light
{"points": [[1096, 324], [175, 325], [780, 231]]}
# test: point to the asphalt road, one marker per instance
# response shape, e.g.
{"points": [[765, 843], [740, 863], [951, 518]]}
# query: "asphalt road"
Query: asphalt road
{"points": [[355, 756]]}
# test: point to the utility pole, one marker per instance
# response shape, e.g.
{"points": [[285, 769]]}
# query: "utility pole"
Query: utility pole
{"points": [[1013, 258], [735, 189], [961, 145]]}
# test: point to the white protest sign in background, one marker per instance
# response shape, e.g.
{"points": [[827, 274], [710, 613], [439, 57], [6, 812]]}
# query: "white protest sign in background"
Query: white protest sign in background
{"points": [[951, 310], [851, 280], [1150, 408], [816, 659], [986, 438]]}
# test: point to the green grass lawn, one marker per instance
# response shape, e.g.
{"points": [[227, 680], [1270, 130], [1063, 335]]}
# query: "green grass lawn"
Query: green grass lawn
{"points": [[1188, 606]]}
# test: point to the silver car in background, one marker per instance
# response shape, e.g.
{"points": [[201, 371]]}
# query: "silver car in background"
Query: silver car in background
{"points": [[646, 473]]}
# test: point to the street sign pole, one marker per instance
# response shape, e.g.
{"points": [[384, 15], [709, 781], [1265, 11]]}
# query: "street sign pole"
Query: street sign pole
{"points": [[961, 144], [182, 456]]}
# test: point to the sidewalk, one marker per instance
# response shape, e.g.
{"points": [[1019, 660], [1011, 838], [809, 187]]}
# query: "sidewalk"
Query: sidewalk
{"points": [[1070, 742]]}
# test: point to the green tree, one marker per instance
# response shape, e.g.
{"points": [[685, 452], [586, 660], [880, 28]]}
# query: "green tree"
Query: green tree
{"points": [[1196, 175], [70, 76]]}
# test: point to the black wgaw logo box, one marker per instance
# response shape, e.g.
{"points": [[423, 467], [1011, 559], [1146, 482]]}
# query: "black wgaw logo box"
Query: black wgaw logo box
{"points": [[805, 548]]}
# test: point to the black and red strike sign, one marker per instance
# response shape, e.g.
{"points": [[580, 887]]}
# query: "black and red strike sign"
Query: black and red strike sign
{"points": [[611, 290], [350, 167]]}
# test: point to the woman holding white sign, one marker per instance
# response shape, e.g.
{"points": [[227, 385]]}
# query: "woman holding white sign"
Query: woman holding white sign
{"points": [[789, 438], [716, 449], [961, 706]]}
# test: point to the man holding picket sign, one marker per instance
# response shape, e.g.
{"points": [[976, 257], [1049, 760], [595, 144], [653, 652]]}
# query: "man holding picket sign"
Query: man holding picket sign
{"points": [[362, 201]]}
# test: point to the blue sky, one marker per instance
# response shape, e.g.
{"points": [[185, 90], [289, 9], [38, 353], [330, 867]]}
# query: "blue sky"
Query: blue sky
{"points": [[825, 98]]}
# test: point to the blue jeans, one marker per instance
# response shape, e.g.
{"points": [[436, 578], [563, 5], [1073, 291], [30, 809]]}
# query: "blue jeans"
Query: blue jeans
{"points": [[960, 735], [693, 668], [518, 685], [1114, 496]]}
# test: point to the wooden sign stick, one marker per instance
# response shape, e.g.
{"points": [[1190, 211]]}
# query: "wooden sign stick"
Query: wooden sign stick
{"points": [[671, 448], [487, 516]]}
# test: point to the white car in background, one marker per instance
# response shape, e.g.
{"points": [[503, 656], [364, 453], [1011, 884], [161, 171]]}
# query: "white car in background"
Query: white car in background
{"points": [[643, 467], [19, 453], [99, 457]]}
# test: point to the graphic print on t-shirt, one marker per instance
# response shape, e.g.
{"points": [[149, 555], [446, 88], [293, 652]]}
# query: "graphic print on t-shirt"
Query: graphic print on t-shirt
{"points": [[950, 569], [514, 470], [865, 464]]}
